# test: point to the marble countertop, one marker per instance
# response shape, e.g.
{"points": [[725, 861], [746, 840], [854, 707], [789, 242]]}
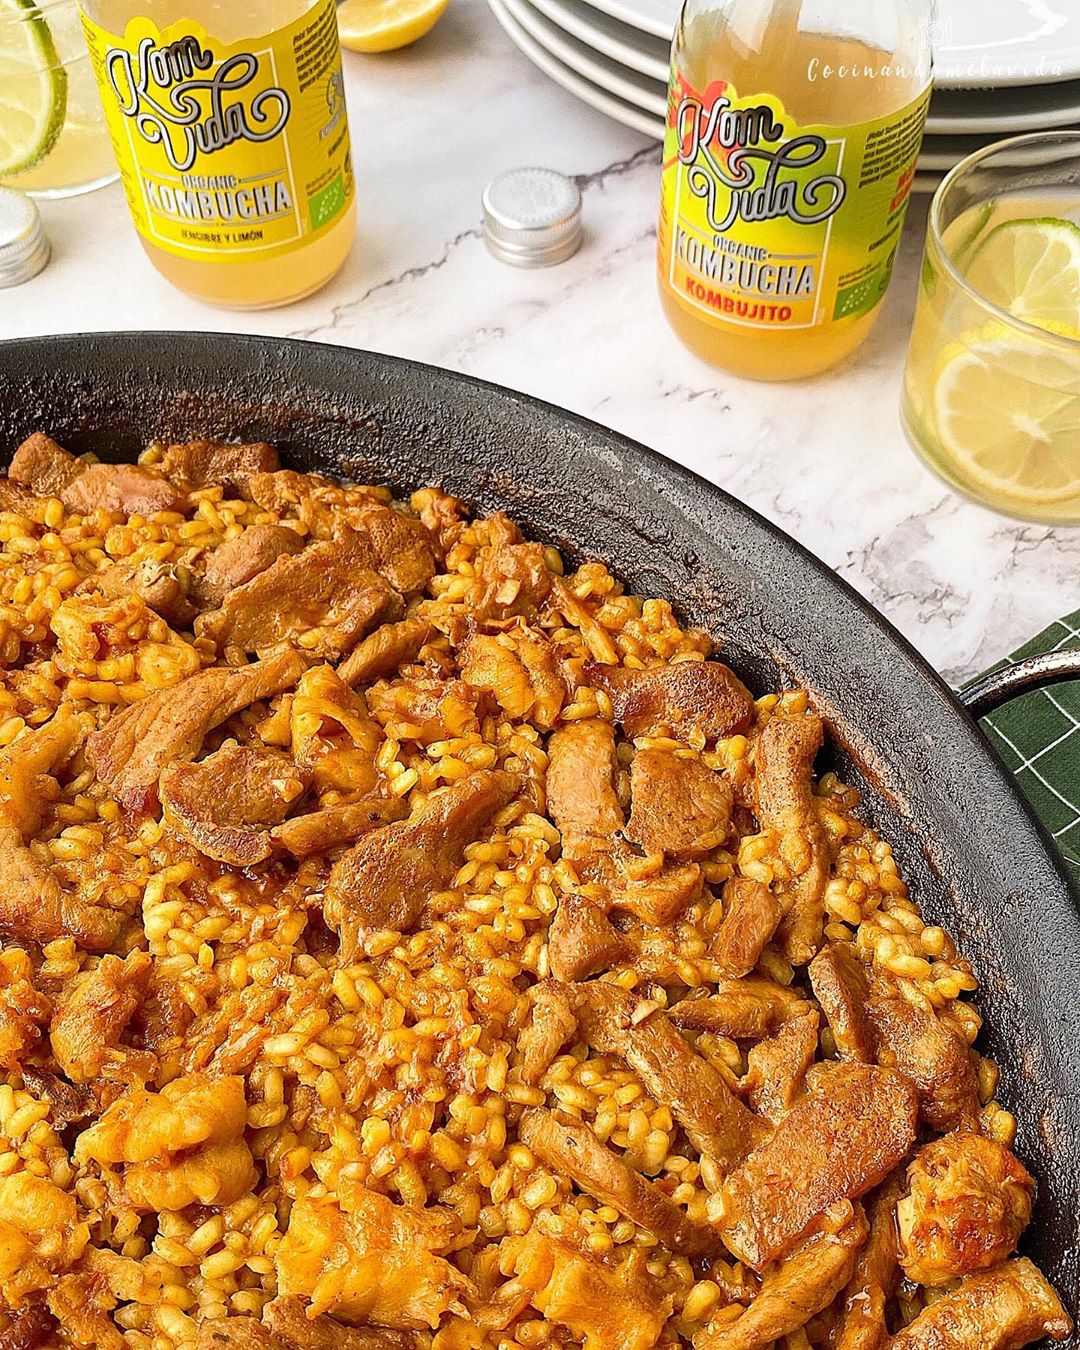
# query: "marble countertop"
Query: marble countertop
{"points": [[826, 460]]}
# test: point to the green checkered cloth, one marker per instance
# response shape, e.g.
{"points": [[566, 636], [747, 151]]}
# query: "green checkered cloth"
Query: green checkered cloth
{"points": [[1038, 737]]}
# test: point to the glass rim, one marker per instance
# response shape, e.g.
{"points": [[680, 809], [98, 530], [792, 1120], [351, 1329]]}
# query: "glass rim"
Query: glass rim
{"points": [[936, 232]]}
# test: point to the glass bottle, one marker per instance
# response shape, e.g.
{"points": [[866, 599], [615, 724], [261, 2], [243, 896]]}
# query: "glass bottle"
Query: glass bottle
{"points": [[229, 125], [794, 129]]}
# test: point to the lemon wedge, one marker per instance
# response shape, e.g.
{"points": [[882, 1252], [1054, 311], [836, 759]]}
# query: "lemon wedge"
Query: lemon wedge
{"points": [[33, 87], [1007, 413], [1031, 268], [385, 25]]}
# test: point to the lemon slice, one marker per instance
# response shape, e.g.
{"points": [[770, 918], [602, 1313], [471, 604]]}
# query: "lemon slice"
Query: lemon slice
{"points": [[385, 25], [33, 87], [1032, 269], [1008, 414]]}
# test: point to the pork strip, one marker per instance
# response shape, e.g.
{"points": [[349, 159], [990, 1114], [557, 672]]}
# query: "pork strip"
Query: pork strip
{"points": [[124, 489], [237, 561], [136, 745], [681, 697], [615, 1021], [159, 584], [383, 652], [799, 1288], [329, 596], [29, 761], [1001, 1309], [93, 1010], [745, 1010], [841, 984], [785, 804], [582, 941], [875, 1277], [552, 1023], [236, 1333], [570, 1147], [581, 796], [678, 806], [333, 826], [840, 1141], [751, 916], [287, 1318], [43, 466], [387, 878], [226, 804], [777, 1067], [199, 464]]}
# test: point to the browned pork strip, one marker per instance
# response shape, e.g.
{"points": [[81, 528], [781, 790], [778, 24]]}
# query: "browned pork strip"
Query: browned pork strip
{"points": [[510, 579], [872, 1021], [383, 652], [68, 1104], [679, 806], [751, 916], [34, 907], [125, 489], [837, 1143], [237, 561], [875, 1277], [1002, 1309], [582, 941], [16, 499], [784, 782], [614, 1021], [332, 826], [570, 1147], [134, 748], [404, 550], [159, 584], [581, 794], [745, 1009], [552, 1023], [679, 696], [801, 1286], [225, 804], [198, 464], [287, 1318], [777, 1067], [93, 1010], [388, 877], [329, 595]]}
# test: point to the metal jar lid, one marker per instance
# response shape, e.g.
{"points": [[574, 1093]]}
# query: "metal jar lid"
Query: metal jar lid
{"points": [[24, 247], [532, 217]]}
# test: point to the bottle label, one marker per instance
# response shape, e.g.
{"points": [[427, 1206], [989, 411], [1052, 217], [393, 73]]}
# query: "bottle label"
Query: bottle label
{"points": [[779, 226], [227, 152]]}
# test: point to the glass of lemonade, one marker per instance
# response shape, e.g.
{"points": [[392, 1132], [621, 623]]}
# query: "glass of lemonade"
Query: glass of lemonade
{"points": [[53, 140], [992, 388]]}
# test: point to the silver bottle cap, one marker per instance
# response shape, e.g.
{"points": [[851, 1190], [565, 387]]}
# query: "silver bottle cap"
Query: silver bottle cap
{"points": [[24, 247], [532, 217]]}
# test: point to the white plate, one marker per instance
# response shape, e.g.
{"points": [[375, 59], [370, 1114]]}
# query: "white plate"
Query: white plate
{"points": [[630, 47], [608, 75], [621, 111], [945, 152], [977, 111], [981, 43]]}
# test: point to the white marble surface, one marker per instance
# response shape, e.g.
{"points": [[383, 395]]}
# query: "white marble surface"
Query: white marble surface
{"points": [[826, 460]]}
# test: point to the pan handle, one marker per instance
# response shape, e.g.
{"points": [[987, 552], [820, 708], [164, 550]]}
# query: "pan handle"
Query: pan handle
{"points": [[1034, 672]]}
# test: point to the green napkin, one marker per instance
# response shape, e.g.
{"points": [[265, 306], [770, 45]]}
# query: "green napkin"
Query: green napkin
{"points": [[1038, 737]]}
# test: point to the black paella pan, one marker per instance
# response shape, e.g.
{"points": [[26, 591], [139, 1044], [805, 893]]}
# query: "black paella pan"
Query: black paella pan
{"points": [[970, 848]]}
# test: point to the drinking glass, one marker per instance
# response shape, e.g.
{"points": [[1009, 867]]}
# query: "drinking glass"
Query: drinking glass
{"points": [[53, 132], [991, 396]]}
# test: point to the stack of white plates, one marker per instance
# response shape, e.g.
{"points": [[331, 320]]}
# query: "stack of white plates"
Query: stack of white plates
{"points": [[1003, 66]]}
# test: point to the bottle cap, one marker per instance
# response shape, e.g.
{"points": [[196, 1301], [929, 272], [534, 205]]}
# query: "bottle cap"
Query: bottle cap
{"points": [[24, 247], [532, 217]]}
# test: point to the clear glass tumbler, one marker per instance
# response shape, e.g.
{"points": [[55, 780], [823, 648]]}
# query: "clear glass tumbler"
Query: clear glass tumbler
{"points": [[53, 139], [991, 395]]}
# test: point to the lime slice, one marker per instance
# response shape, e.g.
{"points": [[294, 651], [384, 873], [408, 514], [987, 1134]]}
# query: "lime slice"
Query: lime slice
{"points": [[1007, 413], [385, 25], [33, 87], [1031, 268]]}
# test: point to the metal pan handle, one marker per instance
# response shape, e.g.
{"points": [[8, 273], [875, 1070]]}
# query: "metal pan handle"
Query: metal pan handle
{"points": [[1035, 672]]}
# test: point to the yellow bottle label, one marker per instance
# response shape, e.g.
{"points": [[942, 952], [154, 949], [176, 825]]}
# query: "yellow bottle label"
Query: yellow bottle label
{"points": [[227, 152], [776, 226]]}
